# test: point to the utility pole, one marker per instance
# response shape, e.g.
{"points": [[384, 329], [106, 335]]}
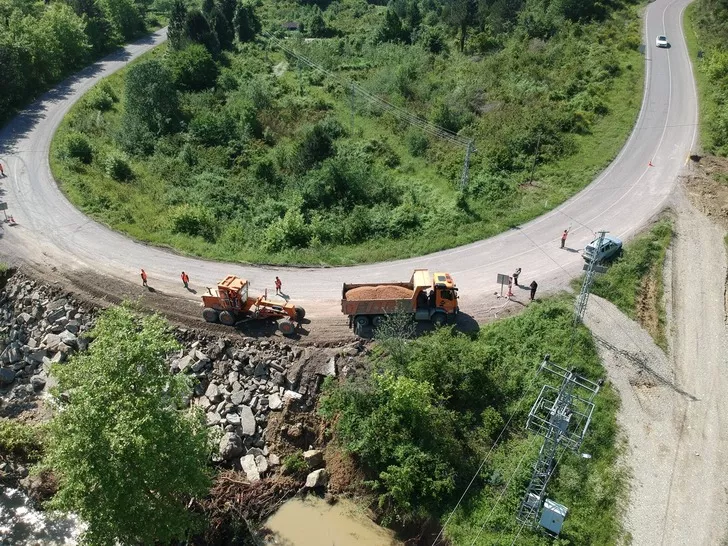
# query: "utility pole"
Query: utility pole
{"points": [[591, 270], [562, 417], [466, 167]]}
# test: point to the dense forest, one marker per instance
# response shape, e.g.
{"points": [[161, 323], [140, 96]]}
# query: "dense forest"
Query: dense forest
{"points": [[41, 42], [336, 132], [710, 23]]}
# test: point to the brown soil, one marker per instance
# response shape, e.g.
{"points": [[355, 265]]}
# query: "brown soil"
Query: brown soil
{"points": [[381, 292], [707, 187], [648, 305]]}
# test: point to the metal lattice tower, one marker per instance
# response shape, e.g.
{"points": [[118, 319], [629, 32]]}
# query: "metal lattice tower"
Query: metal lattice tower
{"points": [[562, 417], [591, 270]]}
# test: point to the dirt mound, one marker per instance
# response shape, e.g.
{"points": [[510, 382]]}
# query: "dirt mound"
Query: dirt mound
{"points": [[381, 292], [707, 187]]}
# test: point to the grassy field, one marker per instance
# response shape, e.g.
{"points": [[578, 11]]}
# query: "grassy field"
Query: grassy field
{"points": [[465, 389], [385, 190], [634, 282]]}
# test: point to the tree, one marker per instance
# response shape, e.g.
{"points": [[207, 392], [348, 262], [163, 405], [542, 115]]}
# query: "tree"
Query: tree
{"points": [[125, 455], [98, 28], [199, 30], [150, 97], [247, 24], [317, 25], [193, 68], [461, 15], [124, 16], [223, 28], [391, 29], [177, 30]]}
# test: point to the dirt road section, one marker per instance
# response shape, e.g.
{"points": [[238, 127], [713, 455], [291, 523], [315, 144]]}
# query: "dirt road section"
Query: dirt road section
{"points": [[673, 409]]}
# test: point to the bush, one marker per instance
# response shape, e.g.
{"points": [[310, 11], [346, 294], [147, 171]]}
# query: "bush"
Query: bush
{"points": [[295, 464], [99, 99], [20, 440], [77, 146], [118, 168], [195, 221], [417, 143], [193, 68]]}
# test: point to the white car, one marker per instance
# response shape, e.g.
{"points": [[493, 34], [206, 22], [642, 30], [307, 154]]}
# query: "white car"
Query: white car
{"points": [[661, 41]]}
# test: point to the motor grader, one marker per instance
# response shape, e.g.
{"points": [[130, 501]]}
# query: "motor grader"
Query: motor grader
{"points": [[232, 305]]}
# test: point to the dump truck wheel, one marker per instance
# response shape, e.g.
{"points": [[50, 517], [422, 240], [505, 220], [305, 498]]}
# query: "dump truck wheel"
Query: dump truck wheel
{"points": [[377, 320], [286, 327], [210, 315], [227, 318], [361, 321], [439, 319], [300, 313]]}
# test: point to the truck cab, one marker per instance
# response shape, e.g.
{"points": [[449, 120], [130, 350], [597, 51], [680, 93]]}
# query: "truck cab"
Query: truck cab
{"points": [[437, 299]]}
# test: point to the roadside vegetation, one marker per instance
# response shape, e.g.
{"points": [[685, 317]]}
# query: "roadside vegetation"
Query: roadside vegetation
{"points": [[127, 454], [427, 415], [634, 282], [224, 146], [43, 42], [706, 25]]}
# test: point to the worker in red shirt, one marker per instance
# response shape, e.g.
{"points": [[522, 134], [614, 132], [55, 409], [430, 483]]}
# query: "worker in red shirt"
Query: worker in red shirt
{"points": [[278, 285], [563, 237], [144, 278], [185, 280]]}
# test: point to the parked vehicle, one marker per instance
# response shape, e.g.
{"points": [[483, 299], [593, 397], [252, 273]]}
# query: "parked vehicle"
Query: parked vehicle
{"points": [[427, 297], [611, 248], [232, 304]]}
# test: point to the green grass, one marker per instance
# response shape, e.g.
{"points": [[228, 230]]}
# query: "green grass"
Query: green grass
{"points": [[471, 386], [642, 263], [20, 440], [426, 187], [706, 105]]}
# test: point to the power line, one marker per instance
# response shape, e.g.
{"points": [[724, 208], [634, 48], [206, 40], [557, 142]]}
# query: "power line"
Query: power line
{"points": [[431, 128]]}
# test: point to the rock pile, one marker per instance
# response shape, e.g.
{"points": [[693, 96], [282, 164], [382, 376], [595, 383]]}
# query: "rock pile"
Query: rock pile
{"points": [[236, 383], [38, 327]]}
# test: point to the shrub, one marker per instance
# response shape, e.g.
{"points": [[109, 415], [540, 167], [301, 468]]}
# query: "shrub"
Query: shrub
{"points": [[195, 221], [295, 464], [77, 147], [193, 68], [118, 168], [417, 143], [99, 99]]}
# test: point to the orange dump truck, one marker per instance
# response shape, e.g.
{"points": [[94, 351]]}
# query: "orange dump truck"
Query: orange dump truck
{"points": [[428, 297]]}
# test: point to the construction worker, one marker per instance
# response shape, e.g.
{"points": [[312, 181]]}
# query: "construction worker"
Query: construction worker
{"points": [[185, 280], [515, 276], [534, 286], [278, 286], [144, 278], [2, 172], [563, 237]]}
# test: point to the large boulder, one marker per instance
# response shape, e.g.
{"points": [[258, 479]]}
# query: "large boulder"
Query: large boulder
{"points": [[247, 420], [250, 468], [231, 446], [314, 458], [275, 402], [317, 478], [7, 376]]}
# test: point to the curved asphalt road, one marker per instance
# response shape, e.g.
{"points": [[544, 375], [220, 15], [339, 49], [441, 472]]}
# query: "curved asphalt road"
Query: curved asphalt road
{"points": [[51, 232]]}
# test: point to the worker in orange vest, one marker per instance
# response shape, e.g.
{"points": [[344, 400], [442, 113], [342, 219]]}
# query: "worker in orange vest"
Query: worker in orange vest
{"points": [[144, 278], [185, 280]]}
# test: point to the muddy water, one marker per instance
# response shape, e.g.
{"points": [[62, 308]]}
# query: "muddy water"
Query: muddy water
{"points": [[312, 522]]}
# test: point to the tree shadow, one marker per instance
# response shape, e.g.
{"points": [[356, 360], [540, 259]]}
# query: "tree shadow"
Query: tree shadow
{"points": [[23, 123]]}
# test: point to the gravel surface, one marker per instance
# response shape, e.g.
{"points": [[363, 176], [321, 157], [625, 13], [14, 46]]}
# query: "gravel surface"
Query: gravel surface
{"points": [[673, 407]]}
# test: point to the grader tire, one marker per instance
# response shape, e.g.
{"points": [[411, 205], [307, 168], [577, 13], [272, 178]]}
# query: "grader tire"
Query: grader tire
{"points": [[300, 313], [227, 318], [286, 327], [210, 315]]}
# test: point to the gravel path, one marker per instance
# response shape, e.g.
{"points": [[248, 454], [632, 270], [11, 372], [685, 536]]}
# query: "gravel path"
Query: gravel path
{"points": [[672, 407]]}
